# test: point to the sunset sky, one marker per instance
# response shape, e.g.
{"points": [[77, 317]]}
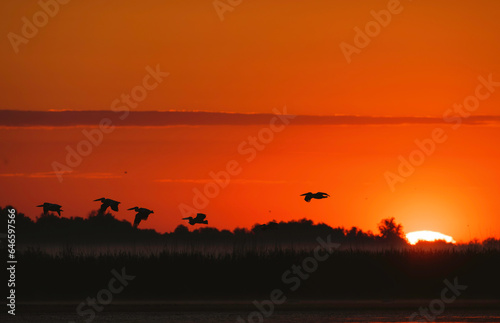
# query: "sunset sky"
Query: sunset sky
{"points": [[355, 116]]}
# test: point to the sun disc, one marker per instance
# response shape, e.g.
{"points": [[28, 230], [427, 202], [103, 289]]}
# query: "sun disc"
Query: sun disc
{"points": [[425, 235]]}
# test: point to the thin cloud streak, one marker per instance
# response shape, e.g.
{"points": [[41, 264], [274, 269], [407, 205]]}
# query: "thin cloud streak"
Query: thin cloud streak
{"points": [[52, 174], [15, 118], [234, 181]]}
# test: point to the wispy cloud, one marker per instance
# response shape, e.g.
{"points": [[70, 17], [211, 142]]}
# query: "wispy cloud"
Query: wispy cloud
{"points": [[235, 181], [14, 118], [52, 174]]}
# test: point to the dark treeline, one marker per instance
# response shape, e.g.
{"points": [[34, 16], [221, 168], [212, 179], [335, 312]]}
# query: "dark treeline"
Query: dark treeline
{"points": [[106, 229]]}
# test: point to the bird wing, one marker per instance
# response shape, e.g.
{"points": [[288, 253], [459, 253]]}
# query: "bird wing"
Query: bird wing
{"points": [[104, 206], [188, 218], [307, 198], [137, 220], [200, 217], [114, 205], [59, 212]]}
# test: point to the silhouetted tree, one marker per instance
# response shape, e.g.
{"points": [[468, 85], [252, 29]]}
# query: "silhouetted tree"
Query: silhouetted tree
{"points": [[181, 230], [390, 230], [492, 243]]}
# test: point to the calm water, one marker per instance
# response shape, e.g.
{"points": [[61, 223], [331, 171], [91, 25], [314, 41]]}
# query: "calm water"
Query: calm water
{"points": [[452, 315]]}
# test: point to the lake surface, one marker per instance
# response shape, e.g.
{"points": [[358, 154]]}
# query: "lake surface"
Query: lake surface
{"points": [[220, 311], [452, 315]]}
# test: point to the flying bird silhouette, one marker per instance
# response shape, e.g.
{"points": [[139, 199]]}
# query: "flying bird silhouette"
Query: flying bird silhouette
{"points": [[200, 218], [142, 214], [108, 203], [319, 196], [51, 207]]}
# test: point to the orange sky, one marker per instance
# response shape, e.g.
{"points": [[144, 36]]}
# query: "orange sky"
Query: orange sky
{"points": [[265, 54]]}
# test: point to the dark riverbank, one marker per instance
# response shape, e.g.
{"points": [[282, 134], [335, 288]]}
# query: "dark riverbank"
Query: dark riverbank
{"points": [[383, 275]]}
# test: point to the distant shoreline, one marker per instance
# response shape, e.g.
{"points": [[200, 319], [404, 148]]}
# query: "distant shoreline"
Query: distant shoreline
{"points": [[244, 305]]}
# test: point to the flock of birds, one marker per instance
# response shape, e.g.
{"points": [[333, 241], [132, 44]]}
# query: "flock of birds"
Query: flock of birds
{"points": [[143, 213]]}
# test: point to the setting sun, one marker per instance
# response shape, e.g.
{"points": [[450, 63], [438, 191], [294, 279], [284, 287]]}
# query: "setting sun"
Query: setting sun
{"points": [[414, 237], [242, 161]]}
